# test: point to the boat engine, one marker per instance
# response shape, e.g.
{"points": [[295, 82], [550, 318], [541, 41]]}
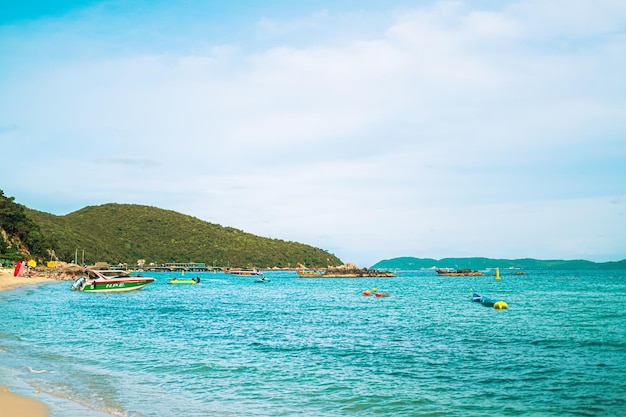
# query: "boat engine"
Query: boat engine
{"points": [[78, 284]]}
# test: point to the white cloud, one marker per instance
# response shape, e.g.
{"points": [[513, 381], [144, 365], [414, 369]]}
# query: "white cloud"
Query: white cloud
{"points": [[364, 144]]}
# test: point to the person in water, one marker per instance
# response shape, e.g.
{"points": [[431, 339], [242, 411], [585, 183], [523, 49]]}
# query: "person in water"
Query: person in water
{"points": [[197, 280]]}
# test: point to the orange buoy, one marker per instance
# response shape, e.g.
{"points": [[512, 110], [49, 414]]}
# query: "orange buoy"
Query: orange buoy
{"points": [[367, 292], [378, 294], [386, 294]]}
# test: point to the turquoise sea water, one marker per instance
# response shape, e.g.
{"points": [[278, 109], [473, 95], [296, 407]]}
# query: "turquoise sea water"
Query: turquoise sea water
{"points": [[232, 346]]}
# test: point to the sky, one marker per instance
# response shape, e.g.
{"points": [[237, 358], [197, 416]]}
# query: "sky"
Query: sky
{"points": [[371, 129]]}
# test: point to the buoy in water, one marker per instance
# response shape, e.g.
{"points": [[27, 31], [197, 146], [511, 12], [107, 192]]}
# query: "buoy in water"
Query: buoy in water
{"points": [[367, 292], [378, 294], [500, 305], [497, 274]]}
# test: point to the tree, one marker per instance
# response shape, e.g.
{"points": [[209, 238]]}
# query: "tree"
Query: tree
{"points": [[19, 232]]}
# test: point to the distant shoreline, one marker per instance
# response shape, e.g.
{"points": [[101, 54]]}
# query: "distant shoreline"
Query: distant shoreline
{"points": [[478, 263]]}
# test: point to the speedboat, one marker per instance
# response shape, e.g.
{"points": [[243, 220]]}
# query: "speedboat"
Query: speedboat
{"points": [[110, 281]]}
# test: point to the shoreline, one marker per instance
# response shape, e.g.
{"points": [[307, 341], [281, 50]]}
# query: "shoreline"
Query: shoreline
{"points": [[16, 405], [8, 281]]}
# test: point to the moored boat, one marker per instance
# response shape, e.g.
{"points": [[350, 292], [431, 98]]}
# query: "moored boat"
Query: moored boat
{"points": [[109, 281], [458, 272], [308, 273], [244, 272]]}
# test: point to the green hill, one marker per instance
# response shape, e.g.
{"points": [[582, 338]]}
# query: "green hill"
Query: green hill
{"points": [[125, 233], [410, 263], [19, 234]]}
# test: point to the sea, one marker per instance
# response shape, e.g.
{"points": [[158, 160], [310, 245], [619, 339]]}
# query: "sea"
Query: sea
{"points": [[290, 346]]}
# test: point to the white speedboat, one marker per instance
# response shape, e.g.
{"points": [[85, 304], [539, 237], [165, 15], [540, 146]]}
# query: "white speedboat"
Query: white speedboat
{"points": [[110, 281]]}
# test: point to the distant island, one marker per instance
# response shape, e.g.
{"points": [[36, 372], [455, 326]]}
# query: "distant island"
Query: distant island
{"points": [[411, 263]]}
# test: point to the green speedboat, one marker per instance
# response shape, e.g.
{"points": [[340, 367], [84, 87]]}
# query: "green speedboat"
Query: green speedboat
{"points": [[109, 281]]}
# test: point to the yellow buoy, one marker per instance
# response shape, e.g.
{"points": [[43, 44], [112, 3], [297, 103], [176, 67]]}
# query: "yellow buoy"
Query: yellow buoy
{"points": [[500, 305], [497, 274]]}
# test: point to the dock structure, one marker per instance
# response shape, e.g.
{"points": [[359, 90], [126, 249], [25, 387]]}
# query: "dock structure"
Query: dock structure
{"points": [[178, 266]]}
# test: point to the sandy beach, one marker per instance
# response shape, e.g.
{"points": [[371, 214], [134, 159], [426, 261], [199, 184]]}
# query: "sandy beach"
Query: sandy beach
{"points": [[7, 280], [14, 405]]}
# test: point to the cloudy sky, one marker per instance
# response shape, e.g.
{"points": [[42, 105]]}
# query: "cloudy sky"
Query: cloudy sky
{"points": [[371, 129]]}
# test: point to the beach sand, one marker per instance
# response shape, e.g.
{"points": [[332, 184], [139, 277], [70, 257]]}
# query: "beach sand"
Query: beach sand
{"points": [[11, 404], [7, 280]]}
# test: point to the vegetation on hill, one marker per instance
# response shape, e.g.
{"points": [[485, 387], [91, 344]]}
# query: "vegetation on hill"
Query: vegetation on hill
{"points": [[126, 233], [410, 263], [19, 234]]}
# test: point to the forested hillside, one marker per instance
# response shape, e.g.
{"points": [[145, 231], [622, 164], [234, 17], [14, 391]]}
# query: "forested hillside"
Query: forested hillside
{"points": [[19, 234], [125, 233]]}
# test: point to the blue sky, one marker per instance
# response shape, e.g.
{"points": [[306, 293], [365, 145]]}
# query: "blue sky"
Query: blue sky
{"points": [[372, 129]]}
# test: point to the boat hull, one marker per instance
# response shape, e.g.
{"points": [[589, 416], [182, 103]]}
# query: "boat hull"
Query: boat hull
{"points": [[245, 272], [308, 273], [109, 281], [459, 273], [116, 286]]}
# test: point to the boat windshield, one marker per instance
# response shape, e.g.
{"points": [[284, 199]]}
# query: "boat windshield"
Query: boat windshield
{"points": [[114, 274], [92, 275]]}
